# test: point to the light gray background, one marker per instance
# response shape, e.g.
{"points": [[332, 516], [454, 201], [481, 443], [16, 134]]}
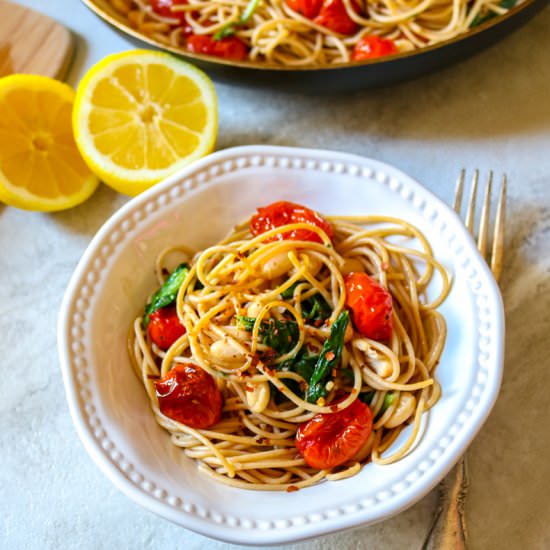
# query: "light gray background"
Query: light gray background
{"points": [[492, 111]]}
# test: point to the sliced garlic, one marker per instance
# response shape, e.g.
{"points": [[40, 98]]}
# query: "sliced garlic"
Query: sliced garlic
{"points": [[403, 411], [377, 361], [226, 351], [253, 309], [258, 398], [314, 264], [277, 265]]}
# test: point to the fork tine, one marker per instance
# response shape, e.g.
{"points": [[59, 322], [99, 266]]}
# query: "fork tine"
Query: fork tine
{"points": [[498, 238], [470, 214], [484, 220], [459, 189]]}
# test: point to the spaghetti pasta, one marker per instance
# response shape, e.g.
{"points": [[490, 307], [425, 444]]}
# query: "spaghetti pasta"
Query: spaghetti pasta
{"points": [[305, 33], [264, 314]]}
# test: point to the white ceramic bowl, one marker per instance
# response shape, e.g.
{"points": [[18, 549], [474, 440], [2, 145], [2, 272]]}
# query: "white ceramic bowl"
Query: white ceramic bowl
{"points": [[197, 206]]}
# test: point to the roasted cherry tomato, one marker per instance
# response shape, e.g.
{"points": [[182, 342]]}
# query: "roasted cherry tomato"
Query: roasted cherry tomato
{"points": [[370, 304], [165, 327], [164, 8], [372, 46], [230, 47], [188, 394], [308, 8], [334, 16], [283, 213], [328, 440]]}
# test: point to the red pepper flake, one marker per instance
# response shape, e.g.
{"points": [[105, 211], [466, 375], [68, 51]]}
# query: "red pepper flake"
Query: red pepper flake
{"points": [[333, 373], [292, 489], [318, 323], [264, 441], [329, 355], [249, 387], [353, 390], [385, 266], [255, 360], [334, 408], [153, 377]]}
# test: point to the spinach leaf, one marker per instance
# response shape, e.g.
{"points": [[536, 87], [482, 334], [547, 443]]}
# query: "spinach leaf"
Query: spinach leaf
{"points": [[315, 308], [281, 336], [480, 19], [366, 397], [166, 294], [304, 365], [389, 398], [328, 359], [230, 28]]}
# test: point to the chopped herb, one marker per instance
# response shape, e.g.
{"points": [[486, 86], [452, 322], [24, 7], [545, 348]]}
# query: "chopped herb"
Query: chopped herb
{"points": [[315, 308], [366, 397], [389, 399], [479, 19], [166, 294], [281, 336], [230, 28]]}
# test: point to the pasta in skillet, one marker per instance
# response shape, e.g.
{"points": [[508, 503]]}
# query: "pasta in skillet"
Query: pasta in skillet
{"points": [[305, 32]]}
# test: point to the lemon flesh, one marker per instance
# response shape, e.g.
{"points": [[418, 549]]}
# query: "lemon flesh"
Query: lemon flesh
{"points": [[139, 116], [40, 165]]}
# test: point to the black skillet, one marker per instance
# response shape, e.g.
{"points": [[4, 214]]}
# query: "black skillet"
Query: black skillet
{"points": [[346, 77]]}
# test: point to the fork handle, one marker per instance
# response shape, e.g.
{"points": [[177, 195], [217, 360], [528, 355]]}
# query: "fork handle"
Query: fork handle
{"points": [[448, 531]]}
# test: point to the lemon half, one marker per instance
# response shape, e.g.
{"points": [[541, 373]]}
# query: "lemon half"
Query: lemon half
{"points": [[40, 166], [139, 116]]}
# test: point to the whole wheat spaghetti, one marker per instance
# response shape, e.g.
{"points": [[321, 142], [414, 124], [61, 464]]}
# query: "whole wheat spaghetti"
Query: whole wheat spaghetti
{"points": [[264, 313]]}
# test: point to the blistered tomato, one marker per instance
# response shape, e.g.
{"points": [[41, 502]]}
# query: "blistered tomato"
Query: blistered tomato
{"points": [[284, 213], [165, 327], [372, 46], [308, 8], [164, 8], [188, 394], [370, 305], [334, 16], [230, 47], [328, 440]]}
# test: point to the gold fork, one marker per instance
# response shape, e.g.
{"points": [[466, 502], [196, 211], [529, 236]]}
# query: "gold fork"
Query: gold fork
{"points": [[448, 531]]}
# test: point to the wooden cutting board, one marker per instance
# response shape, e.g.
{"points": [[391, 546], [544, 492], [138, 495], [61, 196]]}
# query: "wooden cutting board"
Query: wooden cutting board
{"points": [[32, 43]]}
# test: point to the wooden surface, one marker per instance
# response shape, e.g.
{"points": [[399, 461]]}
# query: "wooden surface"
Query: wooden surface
{"points": [[32, 43]]}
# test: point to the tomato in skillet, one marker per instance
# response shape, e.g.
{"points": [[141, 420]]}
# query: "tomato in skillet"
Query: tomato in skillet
{"points": [[328, 440], [370, 304], [308, 8], [333, 16], [164, 8], [188, 394], [165, 327], [284, 213], [229, 47], [372, 46]]}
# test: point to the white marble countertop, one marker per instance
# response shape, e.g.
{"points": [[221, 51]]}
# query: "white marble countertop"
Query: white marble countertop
{"points": [[492, 111]]}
